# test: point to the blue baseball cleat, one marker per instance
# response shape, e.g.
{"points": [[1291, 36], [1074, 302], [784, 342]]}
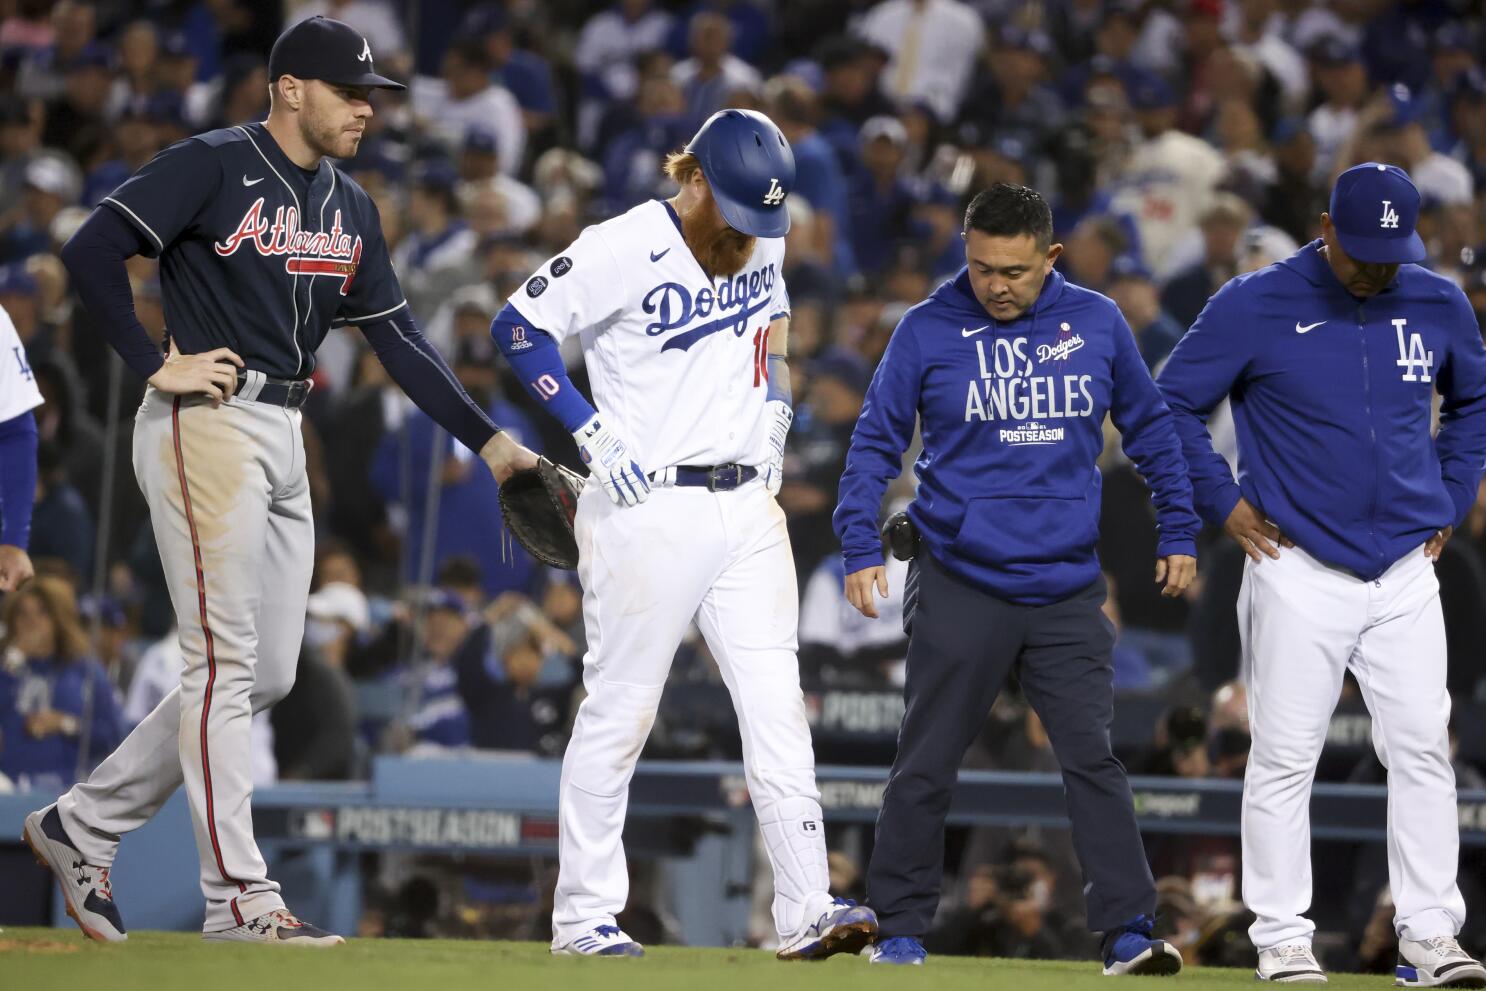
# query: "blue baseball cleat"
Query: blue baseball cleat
{"points": [[845, 927], [904, 951], [1131, 950]]}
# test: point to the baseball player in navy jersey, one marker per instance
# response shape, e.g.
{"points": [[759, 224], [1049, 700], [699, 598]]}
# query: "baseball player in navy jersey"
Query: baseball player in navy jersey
{"points": [[1343, 503], [681, 309], [264, 245]]}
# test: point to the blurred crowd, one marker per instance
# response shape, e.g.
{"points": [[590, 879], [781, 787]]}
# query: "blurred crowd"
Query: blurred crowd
{"points": [[1180, 142]]}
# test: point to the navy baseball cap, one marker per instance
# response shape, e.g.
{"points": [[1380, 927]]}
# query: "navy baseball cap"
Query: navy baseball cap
{"points": [[1128, 266], [1375, 208], [750, 168], [1151, 92], [328, 50]]}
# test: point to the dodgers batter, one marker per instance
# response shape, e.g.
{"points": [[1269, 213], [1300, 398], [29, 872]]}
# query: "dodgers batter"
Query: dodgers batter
{"points": [[264, 245], [681, 309], [1343, 503]]}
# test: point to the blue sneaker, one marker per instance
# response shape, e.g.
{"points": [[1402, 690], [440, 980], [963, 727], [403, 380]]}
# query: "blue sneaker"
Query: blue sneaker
{"points": [[905, 951], [845, 927], [1131, 950]]}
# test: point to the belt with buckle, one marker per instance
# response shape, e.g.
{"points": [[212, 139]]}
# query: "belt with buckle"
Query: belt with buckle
{"points": [[717, 478], [288, 393]]}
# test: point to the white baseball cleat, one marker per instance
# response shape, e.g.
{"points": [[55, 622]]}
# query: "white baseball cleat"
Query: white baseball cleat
{"points": [[1290, 963], [1438, 962], [844, 927], [277, 928], [85, 887], [600, 941]]}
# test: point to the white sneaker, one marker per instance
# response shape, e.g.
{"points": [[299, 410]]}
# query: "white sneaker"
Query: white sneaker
{"points": [[1290, 963], [844, 927], [1438, 962], [279, 928], [600, 941]]}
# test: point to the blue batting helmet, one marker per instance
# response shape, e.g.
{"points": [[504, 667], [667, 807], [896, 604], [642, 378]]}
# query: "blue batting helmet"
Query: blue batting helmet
{"points": [[750, 168]]}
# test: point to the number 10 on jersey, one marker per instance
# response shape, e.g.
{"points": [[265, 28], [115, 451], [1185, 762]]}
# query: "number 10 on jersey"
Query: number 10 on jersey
{"points": [[761, 356]]}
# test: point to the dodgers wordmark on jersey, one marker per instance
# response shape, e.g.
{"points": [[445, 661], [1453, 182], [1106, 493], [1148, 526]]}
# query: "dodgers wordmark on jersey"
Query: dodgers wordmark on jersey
{"points": [[18, 389], [675, 358]]}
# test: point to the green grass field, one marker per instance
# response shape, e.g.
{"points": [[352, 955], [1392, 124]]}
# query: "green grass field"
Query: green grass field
{"points": [[45, 959]]}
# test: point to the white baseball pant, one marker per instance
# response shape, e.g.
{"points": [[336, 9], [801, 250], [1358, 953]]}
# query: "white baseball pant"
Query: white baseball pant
{"points": [[1303, 625], [647, 570]]}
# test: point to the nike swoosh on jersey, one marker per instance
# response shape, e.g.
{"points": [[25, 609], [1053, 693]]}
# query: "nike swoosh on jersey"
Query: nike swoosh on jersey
{"points": [[656, 256], [1308, 327], [254, 182], [965, 332]]}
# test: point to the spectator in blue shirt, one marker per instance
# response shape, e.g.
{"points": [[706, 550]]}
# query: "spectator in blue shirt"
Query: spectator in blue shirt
{"points": [[752, 30], [526, 74], [58, 711], [468, 518], [882, 201], [1134, 292], [440, 717], [818, 176]]}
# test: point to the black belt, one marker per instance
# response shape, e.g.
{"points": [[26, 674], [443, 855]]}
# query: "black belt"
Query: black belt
{"points": [[288, 393], [717, 478]]}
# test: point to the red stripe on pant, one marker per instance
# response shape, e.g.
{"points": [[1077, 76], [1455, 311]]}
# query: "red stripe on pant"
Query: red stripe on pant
{"points": [[211, 658]]}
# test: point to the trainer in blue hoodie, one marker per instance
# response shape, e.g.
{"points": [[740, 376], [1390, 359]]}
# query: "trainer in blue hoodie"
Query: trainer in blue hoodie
{"points": [[1343, 502], [1010, 371]]}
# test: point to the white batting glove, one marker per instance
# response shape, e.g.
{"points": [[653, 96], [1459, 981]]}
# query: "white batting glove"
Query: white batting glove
{"points": [[608, 460], [778, 431]]}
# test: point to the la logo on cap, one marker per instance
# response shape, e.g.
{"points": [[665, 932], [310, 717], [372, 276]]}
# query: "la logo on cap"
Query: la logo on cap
{"points": [[1390, 216]]}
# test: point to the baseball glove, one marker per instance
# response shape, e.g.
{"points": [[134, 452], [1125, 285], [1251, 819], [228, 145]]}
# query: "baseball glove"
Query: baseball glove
{"points": [[538, 505]]}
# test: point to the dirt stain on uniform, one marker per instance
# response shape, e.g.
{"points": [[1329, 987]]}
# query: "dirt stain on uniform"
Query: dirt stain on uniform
{"points": [[215, 455]]}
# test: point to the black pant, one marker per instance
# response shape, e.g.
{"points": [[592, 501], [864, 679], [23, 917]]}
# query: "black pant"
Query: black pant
{"points": [[962, 647]]}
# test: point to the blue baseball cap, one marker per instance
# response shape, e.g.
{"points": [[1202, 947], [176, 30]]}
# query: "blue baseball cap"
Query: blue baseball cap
{"points": [[750, 168], [1151, 92], [1375, 209], [1128, 266], [15, 280]]}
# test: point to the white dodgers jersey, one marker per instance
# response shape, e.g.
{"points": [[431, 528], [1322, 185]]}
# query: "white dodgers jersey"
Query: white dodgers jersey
{"points": [[18, 389], [677, 360]]}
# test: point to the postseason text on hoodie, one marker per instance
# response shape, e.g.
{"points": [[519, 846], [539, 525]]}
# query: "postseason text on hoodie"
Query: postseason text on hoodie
{"points": [[1012, 421], [1332, 400]]}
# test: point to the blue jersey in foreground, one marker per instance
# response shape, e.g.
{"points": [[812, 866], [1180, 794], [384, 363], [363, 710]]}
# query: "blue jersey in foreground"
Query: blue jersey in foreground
{"points": [[1012, 420], [1332, 399]]}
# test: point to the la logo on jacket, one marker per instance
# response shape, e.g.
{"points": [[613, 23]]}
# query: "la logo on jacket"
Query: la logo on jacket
{"points": [[1412, 358]]}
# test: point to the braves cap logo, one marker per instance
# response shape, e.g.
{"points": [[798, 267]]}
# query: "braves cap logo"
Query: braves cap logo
{"points": [[365, 55]]}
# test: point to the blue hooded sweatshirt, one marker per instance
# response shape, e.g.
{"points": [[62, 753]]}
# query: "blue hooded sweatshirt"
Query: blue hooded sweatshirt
{"points": [[1332, 400], [1012, 421]]}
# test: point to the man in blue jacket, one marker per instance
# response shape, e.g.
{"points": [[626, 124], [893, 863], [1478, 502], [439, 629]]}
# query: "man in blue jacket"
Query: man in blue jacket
{"points": [[1011, 371], [1343, 502]]}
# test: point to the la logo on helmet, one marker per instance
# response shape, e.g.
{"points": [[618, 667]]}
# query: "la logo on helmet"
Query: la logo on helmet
{"points": [[775, 195], [1390, 216]]}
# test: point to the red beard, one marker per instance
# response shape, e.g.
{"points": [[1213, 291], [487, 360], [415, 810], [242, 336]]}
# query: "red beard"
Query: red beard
{"points": [[721, 252]]}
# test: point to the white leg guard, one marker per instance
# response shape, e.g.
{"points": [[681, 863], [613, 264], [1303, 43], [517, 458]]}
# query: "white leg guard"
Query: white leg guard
{"points": [[794, 836]]}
